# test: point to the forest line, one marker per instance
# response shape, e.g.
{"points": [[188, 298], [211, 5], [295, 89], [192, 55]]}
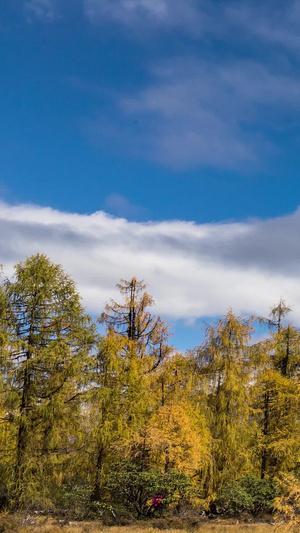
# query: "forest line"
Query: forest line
{"points": [[122, 423]]}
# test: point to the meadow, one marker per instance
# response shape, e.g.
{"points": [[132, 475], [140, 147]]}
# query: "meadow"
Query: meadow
{"points": [[28, 524]]}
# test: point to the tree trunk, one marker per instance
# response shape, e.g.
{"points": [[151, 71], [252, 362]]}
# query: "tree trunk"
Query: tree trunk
{"points": [[285, 360], [97, 487], [22, 439], [264, 459]]}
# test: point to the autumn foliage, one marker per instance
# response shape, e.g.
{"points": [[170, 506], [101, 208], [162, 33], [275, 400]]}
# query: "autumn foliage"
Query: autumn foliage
{"points": [[104, 416]]}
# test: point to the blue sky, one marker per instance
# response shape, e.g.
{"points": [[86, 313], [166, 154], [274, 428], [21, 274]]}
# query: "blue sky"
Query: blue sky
{"points": [[156, 111]]}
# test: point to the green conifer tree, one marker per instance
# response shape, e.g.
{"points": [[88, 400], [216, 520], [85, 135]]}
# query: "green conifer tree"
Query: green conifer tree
{"points": [[49, 343]]}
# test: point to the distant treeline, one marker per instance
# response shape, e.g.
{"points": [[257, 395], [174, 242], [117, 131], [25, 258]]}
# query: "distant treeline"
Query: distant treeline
{"points": [[123, 421]]}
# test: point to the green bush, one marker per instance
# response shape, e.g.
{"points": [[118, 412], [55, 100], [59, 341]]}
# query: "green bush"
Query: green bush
{"points": [[262, 492], [74, 498], [176, 487], [234, 499], [131, 487], [136, 490], [248, 494], [101, 510]]}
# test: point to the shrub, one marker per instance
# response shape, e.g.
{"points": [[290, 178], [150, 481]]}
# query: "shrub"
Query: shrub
{"points": [[176, 487], [74, 498], [262, 491], [234, 499], [128, 485], [136, 490], [248, 494]]}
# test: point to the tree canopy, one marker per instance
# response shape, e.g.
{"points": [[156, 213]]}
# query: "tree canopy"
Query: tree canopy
{"points": [[80, 409]]}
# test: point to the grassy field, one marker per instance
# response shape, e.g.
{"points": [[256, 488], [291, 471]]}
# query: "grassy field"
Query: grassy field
{"points": [[28, 524]]}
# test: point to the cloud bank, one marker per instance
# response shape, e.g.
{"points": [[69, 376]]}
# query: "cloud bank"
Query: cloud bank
{"points": [[192, 270]]}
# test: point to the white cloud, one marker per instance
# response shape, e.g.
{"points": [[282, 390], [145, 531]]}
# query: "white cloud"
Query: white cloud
{"points": [[200, 113], [213, 111], [41, 9], [273, 23], [120, 205], [126, 10], [136, 14], [192, 270]]}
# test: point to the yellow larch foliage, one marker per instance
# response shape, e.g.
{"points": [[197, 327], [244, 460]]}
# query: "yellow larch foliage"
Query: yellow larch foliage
{"points": [[178, 438]]}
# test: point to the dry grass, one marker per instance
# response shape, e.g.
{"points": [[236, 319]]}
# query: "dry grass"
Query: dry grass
{"points": [[13, 524]]}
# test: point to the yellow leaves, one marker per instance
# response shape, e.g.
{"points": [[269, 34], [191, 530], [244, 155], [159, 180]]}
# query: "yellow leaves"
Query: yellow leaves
{"points": [[233, 331], [289, 501], [177, 435]]}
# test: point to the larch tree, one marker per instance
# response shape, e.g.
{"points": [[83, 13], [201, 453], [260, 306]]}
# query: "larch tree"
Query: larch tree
{"points": [[144, 347], [50, 340], [131, 319], [277, 395], [7, 432], [178, 438], [223, 366], [107, 405]]}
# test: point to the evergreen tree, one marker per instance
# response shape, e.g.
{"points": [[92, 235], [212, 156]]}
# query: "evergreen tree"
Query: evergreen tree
{"points": [[49, 343]]}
